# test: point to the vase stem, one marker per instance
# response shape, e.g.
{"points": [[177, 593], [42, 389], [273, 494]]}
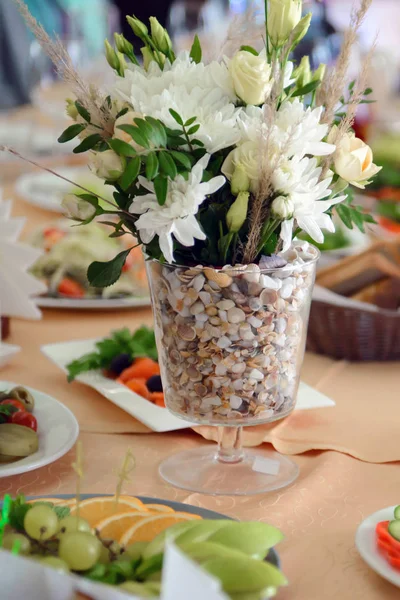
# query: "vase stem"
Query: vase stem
{"points": [[230, 445]]}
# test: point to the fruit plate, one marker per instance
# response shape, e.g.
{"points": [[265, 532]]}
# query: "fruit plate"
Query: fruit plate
{"points": [[366, 545], [57, 428], [204, 513], [156, 418]]}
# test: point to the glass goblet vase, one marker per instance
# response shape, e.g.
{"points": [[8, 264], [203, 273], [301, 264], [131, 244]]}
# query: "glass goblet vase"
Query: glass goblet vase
{"points": [[231, 344]]}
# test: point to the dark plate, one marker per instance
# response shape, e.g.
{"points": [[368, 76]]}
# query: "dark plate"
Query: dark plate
{"points": [[272, 557]]}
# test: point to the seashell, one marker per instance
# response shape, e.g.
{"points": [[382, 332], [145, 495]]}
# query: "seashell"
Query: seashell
{"points": [[186, 332], [211, 401], [197, 308], [215, 320], [190, 297], [270, 283], [184, 378], [221, 370], [200, 389], [239, 368], [268, 297], [205, 297], [202, 317], [254, 322], [252, 274], [255, 304], [254, 289], [272, 262], [223, 280], [223, 315], [211, 311], [280, 325], [235, 402], [175, 357], [224, 342], [198, 282], [286, 290], [194, 374], [225, 304], [256, 374], [236, 315]]}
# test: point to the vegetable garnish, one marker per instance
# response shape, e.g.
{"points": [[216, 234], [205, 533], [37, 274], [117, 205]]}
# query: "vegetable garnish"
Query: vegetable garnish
{"points": [[139, 344], [5, 516], [388, 539]]}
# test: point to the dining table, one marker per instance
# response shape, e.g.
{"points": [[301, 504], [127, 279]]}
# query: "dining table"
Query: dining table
{"points": [[348, 455]]}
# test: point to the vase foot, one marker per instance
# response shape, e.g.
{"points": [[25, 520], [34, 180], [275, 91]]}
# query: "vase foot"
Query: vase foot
{"points": [[199, 470]]}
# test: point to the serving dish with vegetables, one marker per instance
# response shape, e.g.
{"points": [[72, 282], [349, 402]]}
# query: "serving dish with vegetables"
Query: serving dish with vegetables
{"points": [[121, 541], [67, 254], [35, 429], [378, 542]]}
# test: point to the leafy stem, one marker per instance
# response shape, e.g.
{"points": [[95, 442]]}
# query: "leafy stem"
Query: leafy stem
{"points": [[185, 133], [267, 231]]}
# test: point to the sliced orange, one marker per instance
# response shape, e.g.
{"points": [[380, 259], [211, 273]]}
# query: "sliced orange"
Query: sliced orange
{"points": [[114, 527], [159, 508], [149, 527], [99, 508]]}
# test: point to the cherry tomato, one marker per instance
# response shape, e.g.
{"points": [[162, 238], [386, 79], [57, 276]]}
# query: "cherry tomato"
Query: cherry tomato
{"points": [[25, 419], [69, 287], [16, 403]]}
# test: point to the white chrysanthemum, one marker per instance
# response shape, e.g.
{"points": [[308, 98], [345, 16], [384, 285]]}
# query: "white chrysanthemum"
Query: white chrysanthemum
{"points": [[298, 179], [297, 130], [203, 91], [177, 216]]}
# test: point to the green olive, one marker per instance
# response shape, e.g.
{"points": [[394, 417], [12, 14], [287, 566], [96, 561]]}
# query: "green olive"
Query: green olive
{"points": [[16, 440], [21, 394]]}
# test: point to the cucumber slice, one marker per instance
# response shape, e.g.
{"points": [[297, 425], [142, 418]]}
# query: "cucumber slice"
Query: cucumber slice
{"points": [[397, 512], [394, 529]]}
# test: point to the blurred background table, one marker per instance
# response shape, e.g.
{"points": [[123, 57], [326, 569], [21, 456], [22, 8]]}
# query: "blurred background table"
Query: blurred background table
{"points": [[318, 514]]}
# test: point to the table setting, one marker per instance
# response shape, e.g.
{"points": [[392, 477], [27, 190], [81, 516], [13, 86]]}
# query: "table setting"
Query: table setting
{"points": [[199, 308]]}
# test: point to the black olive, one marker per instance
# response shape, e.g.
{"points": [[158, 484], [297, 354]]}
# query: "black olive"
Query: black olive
{"points": [[120, 363], [154, 384]]}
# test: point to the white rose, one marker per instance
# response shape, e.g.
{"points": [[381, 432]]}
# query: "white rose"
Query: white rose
{"points": [[127, 119], [251, 76], [283, 16], [107, 165], [282, 207], [77, 208], [245, 156], [353, 159]]}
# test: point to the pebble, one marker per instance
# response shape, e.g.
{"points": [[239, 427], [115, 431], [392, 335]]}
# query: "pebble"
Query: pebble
{"points": [[235, 402], [236, 315]]}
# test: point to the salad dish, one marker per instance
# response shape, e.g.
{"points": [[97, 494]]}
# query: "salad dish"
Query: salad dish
{"points": [[378, 542], [121, 540], [35, 429], [68, 253]]}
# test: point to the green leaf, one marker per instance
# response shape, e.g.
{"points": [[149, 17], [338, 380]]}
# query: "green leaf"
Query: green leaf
{"points": [[161, 189], [122, 113], [18, 510], [193, 129], [307, 89], [122, 200], [161, 138], [88, 143], [351, 85], [122, 148], [71, 132], [368, 91], [131, 172], [104, 274], [138, 136], [84, 113], [190, 122], [196, 52], [249, 49], [167, 165], [181, 158], [62, 511], [151, 166], [344, 213], [175, 116], [197, 142], [144, 127]]}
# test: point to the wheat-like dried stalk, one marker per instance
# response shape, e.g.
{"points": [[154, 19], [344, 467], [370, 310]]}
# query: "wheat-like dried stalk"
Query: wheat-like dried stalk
{"points": [[243, 30], [87, 94], [331, 90]]}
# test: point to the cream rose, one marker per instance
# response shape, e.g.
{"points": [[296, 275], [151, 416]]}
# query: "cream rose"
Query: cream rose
{"points": [[120, 134], [78, 208], [246, 157], [353, 159], [282, 207], [107, 165], [251, 77], [283, 16]]}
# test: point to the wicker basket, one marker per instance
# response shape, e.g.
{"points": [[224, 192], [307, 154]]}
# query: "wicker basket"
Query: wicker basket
{"points": [[353, 334]]}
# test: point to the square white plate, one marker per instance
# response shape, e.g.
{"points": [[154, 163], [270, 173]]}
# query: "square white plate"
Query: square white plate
{"points": [[156, 418]]}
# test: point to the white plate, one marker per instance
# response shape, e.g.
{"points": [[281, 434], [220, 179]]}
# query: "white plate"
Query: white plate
{"points": [[366, 545], [32, 140], [156, 418], [93, 303], [7, 351], [45, 190], [57, 428]]}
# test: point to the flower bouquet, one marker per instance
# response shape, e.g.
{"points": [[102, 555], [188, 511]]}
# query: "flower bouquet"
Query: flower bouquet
{"points": [[216, 166]]}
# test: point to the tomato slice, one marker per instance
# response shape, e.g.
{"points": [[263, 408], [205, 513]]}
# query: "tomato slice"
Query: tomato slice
{"points": [[69, 287], [25, 419], [15, 403], [394, 560]]}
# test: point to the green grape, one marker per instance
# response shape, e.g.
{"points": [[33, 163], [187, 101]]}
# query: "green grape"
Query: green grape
{"points": [[71, 524], [55, 563], [135, 551], [139, 589], [104, 557], [41, 522], [80, 550], [9, 540], [109, 551]]}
